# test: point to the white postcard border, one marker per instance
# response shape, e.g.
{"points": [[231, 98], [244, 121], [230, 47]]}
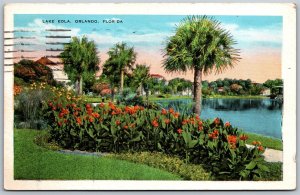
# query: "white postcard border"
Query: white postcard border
{"points": [[288, 11]]}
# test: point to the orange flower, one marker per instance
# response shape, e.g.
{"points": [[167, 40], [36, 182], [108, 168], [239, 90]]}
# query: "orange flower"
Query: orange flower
{"points": [[91, 119], [231, 139], [76, 113], [227, 124], [197, 117], [164, 112], [78, 120], [171, 110], [118, 122], [260, 148], [96, 115], [125, 127], [243, 137], [184, 122], [214, 134], [217, 121], [167, 121], [176, 114], [179, 131], [256, 143], [101, 105], [111, 105], [154, 123]]}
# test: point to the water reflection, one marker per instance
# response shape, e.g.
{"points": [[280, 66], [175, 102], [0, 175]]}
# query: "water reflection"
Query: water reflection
{"points": [[261, 116]]}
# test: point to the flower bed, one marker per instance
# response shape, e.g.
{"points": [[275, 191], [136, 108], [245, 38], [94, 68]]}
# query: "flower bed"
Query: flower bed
{"points": [[109, 128]]}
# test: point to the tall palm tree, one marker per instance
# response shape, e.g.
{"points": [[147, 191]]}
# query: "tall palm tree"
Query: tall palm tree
{"points": [[80, 61], [121, 58], [201, 45]]}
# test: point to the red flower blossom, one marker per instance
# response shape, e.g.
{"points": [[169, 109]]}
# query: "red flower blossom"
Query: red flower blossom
{"points": [[53, 108], [227, 124], [243, 137], [200, 128], [118, 122], [50, 104], [197, 117], [61, 115], [154, 123], [231, 139], [125, 127], [164, 112], [179, 131], [59, 123], [217, 121], [167, 121], [76, 113], [87, 106], [171, 110]]}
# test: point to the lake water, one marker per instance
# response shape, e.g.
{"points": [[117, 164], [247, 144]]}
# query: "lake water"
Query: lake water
{"points": [[261, 116]]}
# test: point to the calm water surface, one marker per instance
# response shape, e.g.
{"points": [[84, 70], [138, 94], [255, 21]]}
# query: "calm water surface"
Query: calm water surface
{"points": [[262, 116]]}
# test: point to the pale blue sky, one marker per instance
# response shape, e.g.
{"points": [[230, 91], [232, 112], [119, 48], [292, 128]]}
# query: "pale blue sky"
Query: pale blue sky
{"points": [[151, 31]]}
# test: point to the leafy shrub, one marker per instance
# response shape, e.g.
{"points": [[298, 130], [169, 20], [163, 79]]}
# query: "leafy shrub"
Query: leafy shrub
{"points": [[169, 163], [108, 128]]}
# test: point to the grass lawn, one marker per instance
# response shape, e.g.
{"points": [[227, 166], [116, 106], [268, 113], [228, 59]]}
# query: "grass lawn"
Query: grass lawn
{"points": [[268, 142], [34, 162]]}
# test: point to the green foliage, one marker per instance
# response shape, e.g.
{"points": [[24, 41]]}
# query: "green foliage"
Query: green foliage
{"points": [[108, 128], [168, 163], [32, 162], [269, 142], [121, 59], [275, 173], [81, 61], [28, 71]]}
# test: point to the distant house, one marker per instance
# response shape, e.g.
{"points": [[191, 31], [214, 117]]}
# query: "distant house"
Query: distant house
{"points": [[266, 92], [57, 69], [157, 76]]}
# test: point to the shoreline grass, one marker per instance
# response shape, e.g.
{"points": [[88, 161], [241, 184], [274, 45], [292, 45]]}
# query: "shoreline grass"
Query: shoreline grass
{"points": [[32, 162], [268, 142]]}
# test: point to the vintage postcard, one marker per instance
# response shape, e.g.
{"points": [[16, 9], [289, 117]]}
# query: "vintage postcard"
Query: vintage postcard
{"points": [[158, 96]]}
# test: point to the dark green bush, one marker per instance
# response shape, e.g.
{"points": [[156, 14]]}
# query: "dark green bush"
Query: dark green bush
{"points": [[108, 128]]}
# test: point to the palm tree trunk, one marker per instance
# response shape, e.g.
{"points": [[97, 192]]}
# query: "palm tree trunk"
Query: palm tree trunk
{"points": [[122, 81], [197, 91], [80, 85]]}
